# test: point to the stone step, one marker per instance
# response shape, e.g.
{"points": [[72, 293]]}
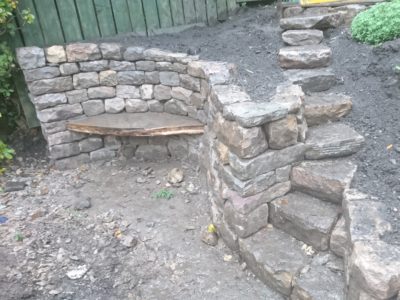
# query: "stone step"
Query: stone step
{"points": [[322, 279], [332, 140], [307, 218], [274, 257], [303, 37], [305, 57], [312, 80], [324, 108], [326, 179], [320, 21]]}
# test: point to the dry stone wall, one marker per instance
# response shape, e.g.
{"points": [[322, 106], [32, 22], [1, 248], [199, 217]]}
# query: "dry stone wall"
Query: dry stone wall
{"points": [[85, 79]]}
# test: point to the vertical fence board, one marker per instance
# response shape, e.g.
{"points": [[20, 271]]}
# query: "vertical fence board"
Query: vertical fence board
{"points": [[69, 20], [212, 11], [189, 11], [177, 12], [201, 14], [164, 12], [87, 16], [24, 99], [121, 16], [32, 33], [105, 17], [49, 22], [232, 5], [137, 16], [222, 10], [151, 14]]}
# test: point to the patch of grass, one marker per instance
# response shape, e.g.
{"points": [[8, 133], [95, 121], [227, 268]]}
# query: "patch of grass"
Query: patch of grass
{"points": [[19, 237], [164, 194], [378, 24]]}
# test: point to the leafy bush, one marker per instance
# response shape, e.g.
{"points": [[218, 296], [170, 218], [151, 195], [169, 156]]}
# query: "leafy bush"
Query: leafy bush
{"points": [[378, 24], [6, 153]]}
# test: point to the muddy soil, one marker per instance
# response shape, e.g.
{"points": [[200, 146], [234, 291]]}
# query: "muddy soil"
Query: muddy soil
{"points": [[123, 243]]}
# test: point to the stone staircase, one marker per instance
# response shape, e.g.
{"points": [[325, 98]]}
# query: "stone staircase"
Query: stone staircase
{"points": [[300, 253]]}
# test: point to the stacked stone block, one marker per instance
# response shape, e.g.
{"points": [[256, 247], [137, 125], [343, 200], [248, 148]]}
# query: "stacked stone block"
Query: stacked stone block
{"points": [[251, 148]]}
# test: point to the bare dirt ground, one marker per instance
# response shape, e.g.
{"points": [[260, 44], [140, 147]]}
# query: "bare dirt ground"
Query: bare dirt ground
{"points": [[127, 244], [131, 245]]}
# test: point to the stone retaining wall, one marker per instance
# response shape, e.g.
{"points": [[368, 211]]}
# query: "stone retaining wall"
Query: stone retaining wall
{"points": [[87, 79]]}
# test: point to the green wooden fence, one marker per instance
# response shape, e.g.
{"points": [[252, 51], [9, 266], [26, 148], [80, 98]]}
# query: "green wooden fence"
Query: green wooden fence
{"points": [[65, 21]]}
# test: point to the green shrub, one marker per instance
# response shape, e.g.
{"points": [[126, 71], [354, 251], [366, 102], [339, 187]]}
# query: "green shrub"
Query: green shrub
{"points": [[378, 24], [6, 153]]}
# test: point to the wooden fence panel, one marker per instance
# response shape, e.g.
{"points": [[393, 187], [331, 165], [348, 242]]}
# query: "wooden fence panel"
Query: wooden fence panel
{"points": [[105, 17], [201, 12], [88, 19], [177, 12], [189, 11], [136, 13], [69, 20], [32, 34], [121, 16], [151, 14], [49, 21], [164, 12], [212, 11]]}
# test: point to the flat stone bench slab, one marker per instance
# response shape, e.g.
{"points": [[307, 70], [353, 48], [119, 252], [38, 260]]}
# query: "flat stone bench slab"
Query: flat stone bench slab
{"points": [[305, 57], [307, 218], [137, 124], [324, 108]]}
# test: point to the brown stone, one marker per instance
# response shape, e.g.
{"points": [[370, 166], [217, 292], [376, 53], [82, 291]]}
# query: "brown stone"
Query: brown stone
{"points": [[282, 133]]}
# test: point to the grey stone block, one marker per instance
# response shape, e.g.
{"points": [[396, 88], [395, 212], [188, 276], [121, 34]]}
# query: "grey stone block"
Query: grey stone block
{"points": [[251, 114], [152, 77], [171, 67], [169, 78], [162, 92], [122, 65], [114, 105], [46, 86], [56, 54], [136, 105], [93, 107], [266, 162], [30, 57], [313, 80], [332, 140], [282, 133], [304, 57], [175, 107], [182, 94], [112, 142], [128, 91], [306, 218], [303, 37], [72, 162], [60, 113], [161, 55], [339, 241], [108, 78], [83, 52], [77, 96], [102, 154], [64, 137], [86, 80], [155, 106], [274, 257], [111, 51], [134, 53], [222, 95], [152, 152], [101, 92], [130, 77], [189, 82], [49, 100], [53, 127], [244, 142], [245, 225], [215, 72], [145, 65], [319, 21], [69, 69], [64, 150], [90, 144], [147, 92], [93, 66], [178, 148], [326, 180], [41, 73]]}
